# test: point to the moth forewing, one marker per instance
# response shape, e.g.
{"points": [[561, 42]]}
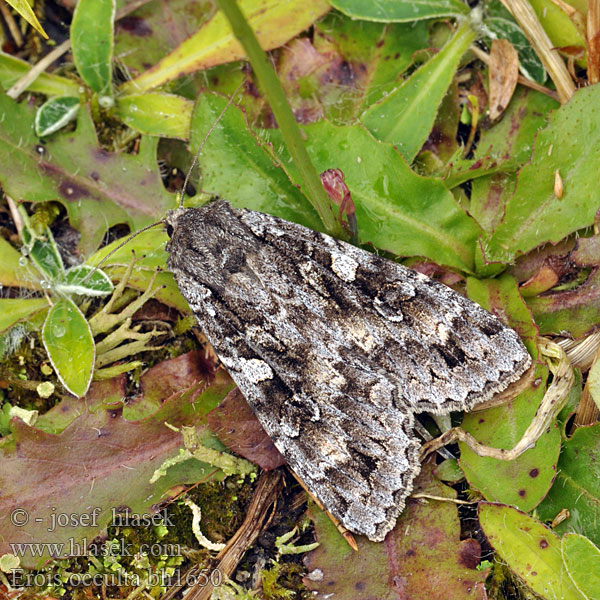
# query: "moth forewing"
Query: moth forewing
{"points": [[336, 349]]}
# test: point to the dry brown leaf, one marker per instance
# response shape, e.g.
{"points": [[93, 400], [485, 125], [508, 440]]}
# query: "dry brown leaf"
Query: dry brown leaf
{"points": [[504, 73]]}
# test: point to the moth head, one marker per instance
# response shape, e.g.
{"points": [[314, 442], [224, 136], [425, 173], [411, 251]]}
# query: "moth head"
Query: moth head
{"points": [[170, 220]]}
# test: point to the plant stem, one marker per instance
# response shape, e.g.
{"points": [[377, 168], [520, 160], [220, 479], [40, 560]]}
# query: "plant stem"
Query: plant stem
{"points": [[267, 78]]}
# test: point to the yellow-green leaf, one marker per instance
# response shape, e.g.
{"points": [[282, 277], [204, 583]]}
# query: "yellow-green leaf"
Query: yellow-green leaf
{"points": [[275, 22], [25, 10], [582, 559], [157, 113], [92, 37], [531, 550], [70, 346], [13, 310]]}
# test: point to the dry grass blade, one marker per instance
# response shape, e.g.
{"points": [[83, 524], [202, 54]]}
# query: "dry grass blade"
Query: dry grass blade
{"points": [[525, 16], [593, 41]]}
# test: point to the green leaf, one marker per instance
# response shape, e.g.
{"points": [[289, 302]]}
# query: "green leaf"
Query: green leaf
{"points": [[397, 210], [55, 114], [593, 382], [349, 65], [275, 22], [92, 40], [234, 166], [558, 25], [524, 481], [44, 253], [529, 548], [421, 217], [508, 145], [448, 470], [576, 311], [24, 9], [13, 310], [577, 485], [99, 189], [151, 257], [12, 271], [401, 10], [70, 346], [406, 116], [77, 280], [582, 560], [12, 69], [157, 113], [570, 144]]}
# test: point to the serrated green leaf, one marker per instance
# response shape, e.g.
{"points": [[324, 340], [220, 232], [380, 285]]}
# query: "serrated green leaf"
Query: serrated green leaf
{"points": [[99, 189], [577, 485], [157, 113], [70, 346], [55, 114], [534, 215], [406, 116], [77, 280], [235, 166], [530, 549], [582, 560], [92, 39], [401, 10], [508, 145]]}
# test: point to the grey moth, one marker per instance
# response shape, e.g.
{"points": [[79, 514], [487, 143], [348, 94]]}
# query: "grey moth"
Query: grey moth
{"points": [[336, 349]]}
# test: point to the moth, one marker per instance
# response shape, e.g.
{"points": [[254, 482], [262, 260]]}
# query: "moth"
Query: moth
{"points": [[336, 350]]}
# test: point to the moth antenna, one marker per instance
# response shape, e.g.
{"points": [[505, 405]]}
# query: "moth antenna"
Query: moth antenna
{"points": [[181, 193], [210, 130], [129, 238]]}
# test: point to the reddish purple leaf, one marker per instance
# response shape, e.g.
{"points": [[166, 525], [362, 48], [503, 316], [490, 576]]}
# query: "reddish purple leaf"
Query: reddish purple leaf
{"points": [[237, 427]]}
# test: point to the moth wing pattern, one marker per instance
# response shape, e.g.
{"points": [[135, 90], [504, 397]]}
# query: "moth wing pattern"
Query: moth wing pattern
{"points": [[336, 349]]}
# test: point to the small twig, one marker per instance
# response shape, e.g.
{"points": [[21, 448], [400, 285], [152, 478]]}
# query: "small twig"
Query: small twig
{"points": [[20, 86], [16, 216], [257, 519], [593, 41], [551, 403], [11, 24], [442, 499]]}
